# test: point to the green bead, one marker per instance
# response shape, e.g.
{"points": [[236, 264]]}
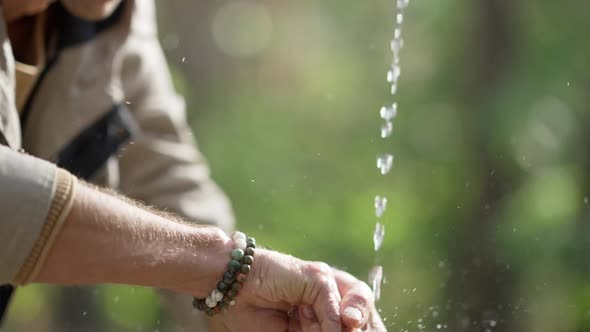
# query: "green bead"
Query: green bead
{"points": [[237, 254], [223, 287], [236, 286], [233, 265], [229, 278], [250, 251], [248, 259], [232, 294], [245, 268]]}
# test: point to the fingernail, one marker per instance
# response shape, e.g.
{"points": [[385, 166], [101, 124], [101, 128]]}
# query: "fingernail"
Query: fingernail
{"points": [[353, 313], [309, 313]]}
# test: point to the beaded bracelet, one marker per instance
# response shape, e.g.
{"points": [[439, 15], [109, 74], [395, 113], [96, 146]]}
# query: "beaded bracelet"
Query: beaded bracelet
{"points": [[242, 257]]}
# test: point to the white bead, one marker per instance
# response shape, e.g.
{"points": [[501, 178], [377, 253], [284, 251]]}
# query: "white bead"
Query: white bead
{"points": [[238, 235], [211, 303], [233, 302], [240, 244], [217, 295]]}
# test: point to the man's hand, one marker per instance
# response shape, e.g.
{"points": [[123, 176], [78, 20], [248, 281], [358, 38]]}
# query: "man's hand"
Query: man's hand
{"points": [[286, 293]]}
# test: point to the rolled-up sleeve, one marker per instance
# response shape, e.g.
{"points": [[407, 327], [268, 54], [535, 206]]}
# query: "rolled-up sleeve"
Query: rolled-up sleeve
{"points": [[35, 198]]}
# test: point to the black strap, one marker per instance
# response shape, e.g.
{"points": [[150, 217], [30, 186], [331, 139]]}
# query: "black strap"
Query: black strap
{"points": [[91, 149]]}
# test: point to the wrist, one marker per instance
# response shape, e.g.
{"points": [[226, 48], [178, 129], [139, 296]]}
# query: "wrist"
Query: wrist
{"points": [[199, 265]]}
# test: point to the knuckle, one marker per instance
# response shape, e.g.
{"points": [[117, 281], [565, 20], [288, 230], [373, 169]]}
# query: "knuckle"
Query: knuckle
{"points": [[358, 299], [324, 268], [319, 269]]}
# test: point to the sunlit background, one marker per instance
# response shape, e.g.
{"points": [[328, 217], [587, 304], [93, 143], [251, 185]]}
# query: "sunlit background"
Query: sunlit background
{"points": [[487, 226]]}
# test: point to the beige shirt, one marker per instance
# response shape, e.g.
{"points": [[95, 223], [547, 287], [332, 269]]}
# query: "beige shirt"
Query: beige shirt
{"points": [[124, 65]]}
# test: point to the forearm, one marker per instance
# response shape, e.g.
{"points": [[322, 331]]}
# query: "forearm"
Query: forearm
{"points": [[108, 240]]}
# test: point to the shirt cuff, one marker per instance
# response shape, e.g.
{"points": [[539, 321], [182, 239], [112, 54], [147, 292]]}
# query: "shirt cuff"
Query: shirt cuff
{"points": [[63, 198]]}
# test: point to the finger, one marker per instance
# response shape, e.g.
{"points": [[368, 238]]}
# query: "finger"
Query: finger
{"points": [[357, 303], [308, 320], [294, 321], [327, 300]]}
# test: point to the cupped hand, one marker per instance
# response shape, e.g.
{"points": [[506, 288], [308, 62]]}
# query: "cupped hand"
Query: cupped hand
{"points": [[286, 293], [357, 307]]}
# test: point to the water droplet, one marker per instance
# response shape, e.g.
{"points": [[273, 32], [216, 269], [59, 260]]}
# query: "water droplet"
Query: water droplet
{"points": [[586, 200], [394, 88], [384, 163], [378, 235], [400, 18], [183, 59], [393, 73], [396, 45], [568, 83], [397, 33], [375, 278], [402, 3], [386, 129], [380, 205], [388, 112]]}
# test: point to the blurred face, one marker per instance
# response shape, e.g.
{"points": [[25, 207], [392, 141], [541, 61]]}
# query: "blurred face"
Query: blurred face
{"points": [[91, 9]]}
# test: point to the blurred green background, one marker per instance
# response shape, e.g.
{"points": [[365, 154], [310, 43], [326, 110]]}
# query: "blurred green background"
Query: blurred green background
{"points": [[487, 226]]}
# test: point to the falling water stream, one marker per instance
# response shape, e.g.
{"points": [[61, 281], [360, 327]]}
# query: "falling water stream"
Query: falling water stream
{"points": [[385, 160]]}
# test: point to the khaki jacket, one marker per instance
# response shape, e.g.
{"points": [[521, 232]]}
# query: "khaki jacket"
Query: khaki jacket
{"points": [[105, 110]]}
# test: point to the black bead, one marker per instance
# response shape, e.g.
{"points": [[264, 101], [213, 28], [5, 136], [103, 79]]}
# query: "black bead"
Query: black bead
{"points": [[201, 305], [232, 294], [250, 245], [248, 260], [251, 239], [236, 286], [245, 268], [250, 251]]}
